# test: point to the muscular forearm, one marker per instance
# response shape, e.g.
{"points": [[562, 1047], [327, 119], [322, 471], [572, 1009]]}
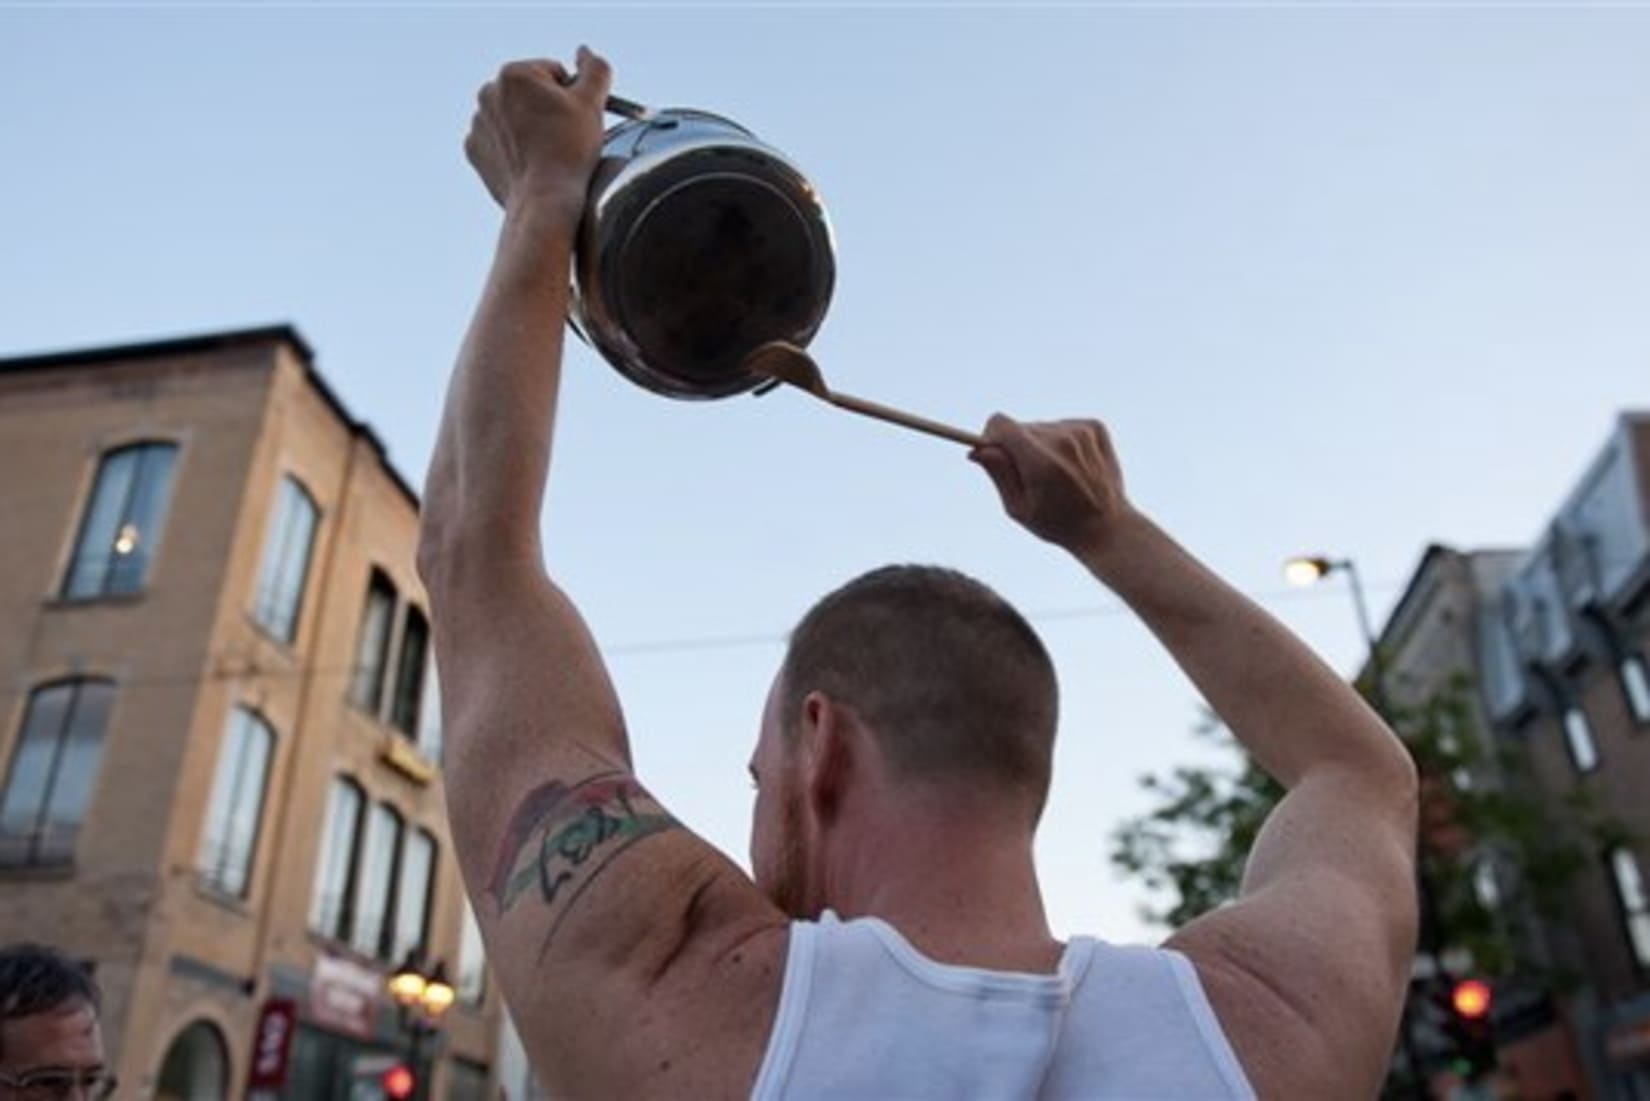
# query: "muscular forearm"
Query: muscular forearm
{"points": [[486, 480], [1281, 701]]}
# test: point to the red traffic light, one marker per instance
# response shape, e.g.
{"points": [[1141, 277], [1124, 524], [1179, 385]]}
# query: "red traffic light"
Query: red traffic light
{"points": [[1471, 999], [398, 1082]]}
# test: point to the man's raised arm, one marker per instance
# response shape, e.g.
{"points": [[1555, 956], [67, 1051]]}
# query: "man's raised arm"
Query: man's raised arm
{"points": [[1307, 970], [635, 958]]}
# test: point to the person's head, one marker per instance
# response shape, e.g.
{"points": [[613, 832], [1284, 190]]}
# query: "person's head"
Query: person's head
{"points": [[51, 1047], [931, 683]]}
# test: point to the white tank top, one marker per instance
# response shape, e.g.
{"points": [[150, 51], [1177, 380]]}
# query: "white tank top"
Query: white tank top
{"points": [[864, 1015]]}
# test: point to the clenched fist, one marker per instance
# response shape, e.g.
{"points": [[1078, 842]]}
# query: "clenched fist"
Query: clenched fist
{"points": [[1059, 479], [537, 133]]}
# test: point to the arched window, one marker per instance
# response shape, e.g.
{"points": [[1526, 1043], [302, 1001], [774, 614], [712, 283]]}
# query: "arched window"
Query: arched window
{"points": [[122, 522], [409, 673], [231, 834], [196, 1067], [412, 905], [285, 570], [53, 768], [375, 883], [372, 646], [331, 909]]}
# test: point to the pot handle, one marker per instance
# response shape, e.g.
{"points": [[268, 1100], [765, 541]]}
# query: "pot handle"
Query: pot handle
{"points": [[628, 108], [618, 105]]}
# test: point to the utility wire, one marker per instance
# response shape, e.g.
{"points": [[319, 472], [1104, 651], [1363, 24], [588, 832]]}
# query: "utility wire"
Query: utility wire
{"points": [[237, 667]]}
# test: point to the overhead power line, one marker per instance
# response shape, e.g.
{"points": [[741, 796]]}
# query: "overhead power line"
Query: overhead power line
{"points": [[238, 667]]}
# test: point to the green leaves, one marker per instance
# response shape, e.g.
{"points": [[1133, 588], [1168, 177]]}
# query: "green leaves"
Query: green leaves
{"points": [[1499, 852]]}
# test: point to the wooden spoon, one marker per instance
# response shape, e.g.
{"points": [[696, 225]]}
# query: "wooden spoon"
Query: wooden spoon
{"points": [[784, 361]]}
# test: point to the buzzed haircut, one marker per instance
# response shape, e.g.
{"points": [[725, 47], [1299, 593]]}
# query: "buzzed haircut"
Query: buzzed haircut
{"points": [[952, 679], [35, 978]]}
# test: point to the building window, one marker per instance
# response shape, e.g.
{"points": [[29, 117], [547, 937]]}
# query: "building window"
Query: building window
{"points": [[232, 817], [429, 716], [1635, 684], [49, 784], [409, 673], [280, 592], [1578, 735], [471, 981], [330, 912], [372, 647], [1635, 907], [122, 523], [412, 908], [1486, 885], [375, 883]]}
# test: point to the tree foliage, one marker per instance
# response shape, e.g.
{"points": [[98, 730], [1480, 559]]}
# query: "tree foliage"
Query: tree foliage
{"points": [[1499, 857]]}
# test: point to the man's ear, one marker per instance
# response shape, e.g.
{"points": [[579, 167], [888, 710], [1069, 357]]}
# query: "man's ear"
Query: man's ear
{"points": [[827, 744]]}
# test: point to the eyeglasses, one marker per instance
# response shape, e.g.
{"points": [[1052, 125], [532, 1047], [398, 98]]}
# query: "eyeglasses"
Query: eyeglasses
{"points": [[60, 1085]]}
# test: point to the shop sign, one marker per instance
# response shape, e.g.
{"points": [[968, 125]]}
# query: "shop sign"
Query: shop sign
{"points": [[272, 1044], [1628, 1043], [344, 995]]}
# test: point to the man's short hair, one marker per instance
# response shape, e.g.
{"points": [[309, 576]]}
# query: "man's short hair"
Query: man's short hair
{"points": [[35, 978], [952, 679]]}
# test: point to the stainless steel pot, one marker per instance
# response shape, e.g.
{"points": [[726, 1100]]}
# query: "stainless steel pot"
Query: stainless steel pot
{"points": [[699, 243]]}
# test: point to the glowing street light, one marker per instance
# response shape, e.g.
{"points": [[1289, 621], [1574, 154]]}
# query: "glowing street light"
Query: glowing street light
{"points": [[1304, 570], [421, 997]]}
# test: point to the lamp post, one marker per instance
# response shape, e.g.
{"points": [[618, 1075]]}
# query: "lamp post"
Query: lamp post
{"points": [[421, 999], [1305, 570], [1309, 570]]}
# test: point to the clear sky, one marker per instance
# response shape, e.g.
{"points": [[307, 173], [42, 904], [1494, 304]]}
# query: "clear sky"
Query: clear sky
{"points": [[1340, 277]]}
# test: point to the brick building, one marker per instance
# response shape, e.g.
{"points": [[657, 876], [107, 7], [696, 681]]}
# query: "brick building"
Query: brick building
{"points": [[1556, 641], [218, 719]]}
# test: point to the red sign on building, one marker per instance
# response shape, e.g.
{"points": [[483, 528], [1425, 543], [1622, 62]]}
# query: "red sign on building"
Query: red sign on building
{"points": [[272, 1044]]}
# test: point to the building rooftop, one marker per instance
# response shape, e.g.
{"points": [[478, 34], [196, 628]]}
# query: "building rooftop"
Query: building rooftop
{"points": [[116, 355]]}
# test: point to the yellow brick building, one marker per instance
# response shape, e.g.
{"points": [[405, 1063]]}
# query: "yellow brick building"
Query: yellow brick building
{"points": [[219, 727]]}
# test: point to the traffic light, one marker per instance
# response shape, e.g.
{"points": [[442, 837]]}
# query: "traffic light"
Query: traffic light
{"points": [[1471, 1034], [399, 1082]]}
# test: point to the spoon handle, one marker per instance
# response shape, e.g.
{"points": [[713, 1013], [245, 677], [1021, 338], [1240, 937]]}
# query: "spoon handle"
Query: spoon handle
{"points": [[901, 417]]}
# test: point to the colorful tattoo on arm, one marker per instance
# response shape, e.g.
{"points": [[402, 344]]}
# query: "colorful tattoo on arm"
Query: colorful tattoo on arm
{"points": [[562, 838]]}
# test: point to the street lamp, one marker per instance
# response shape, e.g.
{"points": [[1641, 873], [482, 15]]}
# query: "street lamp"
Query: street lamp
{"points": [[421, 999], [1303, 570]]}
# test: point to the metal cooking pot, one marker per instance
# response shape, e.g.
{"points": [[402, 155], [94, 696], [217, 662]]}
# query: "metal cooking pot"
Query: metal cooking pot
{"points": [[699, 243]]}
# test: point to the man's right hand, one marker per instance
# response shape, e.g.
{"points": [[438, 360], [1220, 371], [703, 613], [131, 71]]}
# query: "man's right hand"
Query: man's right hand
{"points": [[1060, 479], [537, 133]]}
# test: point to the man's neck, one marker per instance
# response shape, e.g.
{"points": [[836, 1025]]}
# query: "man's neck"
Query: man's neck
{"points": [[959, 887]]}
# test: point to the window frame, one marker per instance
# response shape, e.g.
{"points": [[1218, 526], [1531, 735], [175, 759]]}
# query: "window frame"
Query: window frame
{"points": [[430, 738], [379, 584], [399, 943], [1626, 914], [144, 449], [1574, 710], [343, 927], [36, 836], [265, 592], [408, 686], [384, 940], [250, 723], [1637, 700]]}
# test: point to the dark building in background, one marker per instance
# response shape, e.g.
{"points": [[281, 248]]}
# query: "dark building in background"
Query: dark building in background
{"points": [[1554, 641]]}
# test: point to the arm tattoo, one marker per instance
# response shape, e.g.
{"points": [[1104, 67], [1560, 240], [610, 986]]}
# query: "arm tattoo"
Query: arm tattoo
{"points": [[561, 838]]}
